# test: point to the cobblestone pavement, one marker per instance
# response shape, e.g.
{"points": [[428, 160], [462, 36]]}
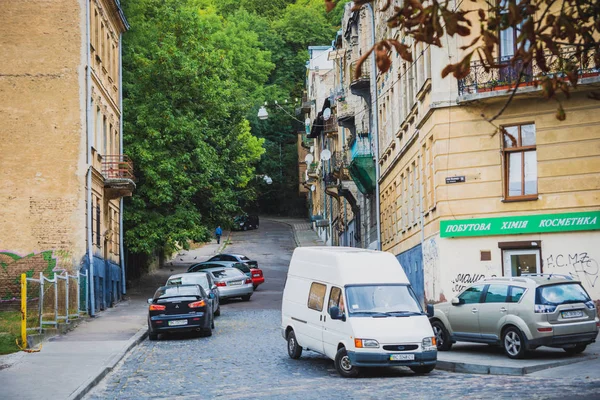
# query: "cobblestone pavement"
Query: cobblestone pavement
{"points": [[246, 357]]}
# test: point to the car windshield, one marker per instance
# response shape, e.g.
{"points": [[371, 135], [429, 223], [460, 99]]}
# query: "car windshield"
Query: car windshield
{"points": [[227, 273], [175, 291], [562, 293], [201, 280], [383, 300]]}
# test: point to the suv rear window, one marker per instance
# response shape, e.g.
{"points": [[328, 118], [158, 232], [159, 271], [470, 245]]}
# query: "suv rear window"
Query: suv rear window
{"points": [[562, 293]]}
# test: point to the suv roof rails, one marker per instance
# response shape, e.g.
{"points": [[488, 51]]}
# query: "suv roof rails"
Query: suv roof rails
{"points": [[567, 277], [507, 278]]}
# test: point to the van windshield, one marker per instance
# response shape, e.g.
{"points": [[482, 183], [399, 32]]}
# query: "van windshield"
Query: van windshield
{"points": [[382, 301]]}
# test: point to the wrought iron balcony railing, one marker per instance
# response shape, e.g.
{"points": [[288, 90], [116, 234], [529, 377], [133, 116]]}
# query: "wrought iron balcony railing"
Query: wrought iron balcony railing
{"points": [[360, 83], [479, 80], [339, 160], [331, 125], [330, 180], [117, 167]]}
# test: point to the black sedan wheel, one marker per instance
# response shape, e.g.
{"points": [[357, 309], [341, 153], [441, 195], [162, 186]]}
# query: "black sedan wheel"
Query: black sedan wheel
{"points": [[153, 336], [218, 312]]}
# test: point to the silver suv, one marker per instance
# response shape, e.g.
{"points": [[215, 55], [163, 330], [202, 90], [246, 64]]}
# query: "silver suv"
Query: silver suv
{"points": [[520, 314]]}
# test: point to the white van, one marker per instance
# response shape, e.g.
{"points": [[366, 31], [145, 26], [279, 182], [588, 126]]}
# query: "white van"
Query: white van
{"points": [[356, 307]]}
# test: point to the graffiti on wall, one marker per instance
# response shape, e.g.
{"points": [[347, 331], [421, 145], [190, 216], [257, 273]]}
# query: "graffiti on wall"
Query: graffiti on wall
{"points": [[578, 265], [461, 281], [13, 265]]}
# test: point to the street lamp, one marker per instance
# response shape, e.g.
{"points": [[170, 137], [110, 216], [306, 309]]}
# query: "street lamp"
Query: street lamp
{"points": [[262, 113]]}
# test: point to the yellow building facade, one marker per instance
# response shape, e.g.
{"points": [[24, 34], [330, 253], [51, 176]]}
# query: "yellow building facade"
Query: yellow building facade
{"points": [[462, 200], [62, 170]]}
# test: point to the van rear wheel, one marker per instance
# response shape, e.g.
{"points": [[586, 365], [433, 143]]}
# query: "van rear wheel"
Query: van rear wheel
{"points": [[294, 349], [344, 366]]}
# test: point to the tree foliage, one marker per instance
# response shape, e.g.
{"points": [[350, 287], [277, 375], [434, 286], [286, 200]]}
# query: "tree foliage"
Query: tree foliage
{"points": [[560, 37], [184, 124]]}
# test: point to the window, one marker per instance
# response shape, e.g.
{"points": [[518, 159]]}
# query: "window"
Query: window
{"points": [[515, 294], [316, 296], [472, 294], [520, 162], [336, 300], [496, 294]]}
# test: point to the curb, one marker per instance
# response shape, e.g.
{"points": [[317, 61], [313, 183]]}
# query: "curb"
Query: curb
{"points": [[88, 385], [469, 368]]}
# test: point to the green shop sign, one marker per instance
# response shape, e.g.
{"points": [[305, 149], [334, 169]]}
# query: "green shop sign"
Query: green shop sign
{"points": [[543, 223]]}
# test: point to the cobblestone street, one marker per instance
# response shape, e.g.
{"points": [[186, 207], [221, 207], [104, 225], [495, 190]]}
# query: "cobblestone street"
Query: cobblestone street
{"points": [[246, 357]]}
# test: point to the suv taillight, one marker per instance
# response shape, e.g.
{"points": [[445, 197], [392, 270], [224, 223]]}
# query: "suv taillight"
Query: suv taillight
{"points": [[544, 308]]}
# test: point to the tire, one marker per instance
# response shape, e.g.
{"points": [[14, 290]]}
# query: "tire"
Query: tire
{"points": [[206, 332], [245, 228], [218, 311], [343, 365], [212, 324], [152, 336], [423, 369], [513, 343], [246, 297], [294, 349], [442, 337], [254, 287], [578, 348]]}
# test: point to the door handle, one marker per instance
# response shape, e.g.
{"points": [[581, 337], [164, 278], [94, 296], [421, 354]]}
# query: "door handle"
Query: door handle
{"points": [[324, 318], [474, 311], [321, 317], [503, 309]]}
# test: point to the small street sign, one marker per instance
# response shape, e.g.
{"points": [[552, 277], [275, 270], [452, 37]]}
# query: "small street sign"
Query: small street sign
{"points": [[455, 179]]}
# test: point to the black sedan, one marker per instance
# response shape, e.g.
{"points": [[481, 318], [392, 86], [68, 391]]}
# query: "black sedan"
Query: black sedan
{"points": [[181, 308]]}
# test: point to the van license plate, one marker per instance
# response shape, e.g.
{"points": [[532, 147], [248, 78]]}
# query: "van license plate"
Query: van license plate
{"points": [[402, 357], [178, 322], [572, 314]]}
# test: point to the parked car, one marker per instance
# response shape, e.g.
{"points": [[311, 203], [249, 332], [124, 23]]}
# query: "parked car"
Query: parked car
{"points": [[180, 308], [232, 283], [257, 274], [245, 222], [520, 314], [221, 264], [203, 279], [331, 306]]}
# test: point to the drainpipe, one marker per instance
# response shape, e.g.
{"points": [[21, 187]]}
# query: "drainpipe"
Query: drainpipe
{"points": [[88, 77], [122, 254], [375, 125]]}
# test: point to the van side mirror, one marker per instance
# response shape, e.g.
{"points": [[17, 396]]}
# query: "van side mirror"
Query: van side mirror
{"points": [[456, 301], [149, 301], [211, 295], [334, 312], [430, 310], [213, 287]]}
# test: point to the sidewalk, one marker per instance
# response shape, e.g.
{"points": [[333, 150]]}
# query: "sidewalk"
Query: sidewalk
{"points": [[68, 366]]}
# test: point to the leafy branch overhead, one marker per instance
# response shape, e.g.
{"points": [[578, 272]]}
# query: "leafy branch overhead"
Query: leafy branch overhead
{"points": [[558, 38]]}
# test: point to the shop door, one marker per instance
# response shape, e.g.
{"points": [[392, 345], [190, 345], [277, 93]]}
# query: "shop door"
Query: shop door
{"points": [[519, 262]]}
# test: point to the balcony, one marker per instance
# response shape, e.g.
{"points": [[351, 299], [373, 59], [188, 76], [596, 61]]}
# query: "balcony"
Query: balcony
{"points": [[345, 113], [313, 170], [119, 180], [362, 167], [497, 82], [360, 86], [306, 104], [339, 164], [331, 126]]}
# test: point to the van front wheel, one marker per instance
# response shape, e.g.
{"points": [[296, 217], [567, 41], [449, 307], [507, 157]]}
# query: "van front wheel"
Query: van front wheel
{"points": [[294, 349], [343, 365]]}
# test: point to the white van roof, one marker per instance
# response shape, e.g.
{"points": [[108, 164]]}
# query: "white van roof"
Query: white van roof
{"points": [[346, 265]]}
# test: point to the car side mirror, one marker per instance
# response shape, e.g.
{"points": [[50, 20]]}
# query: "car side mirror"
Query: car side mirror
{"points": [[430, 310], [211, 295], [334, 313], [149, 301], [456, 301]]}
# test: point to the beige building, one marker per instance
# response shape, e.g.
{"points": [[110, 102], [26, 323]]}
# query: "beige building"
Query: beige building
{"points": [[461, 201], [62, 170]]}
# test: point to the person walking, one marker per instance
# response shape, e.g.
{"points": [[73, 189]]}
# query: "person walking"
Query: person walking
{"points": [[218, 233]]}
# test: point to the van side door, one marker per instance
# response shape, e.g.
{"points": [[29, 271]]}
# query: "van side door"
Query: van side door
{"points": [[335, 330], [314, 317]]}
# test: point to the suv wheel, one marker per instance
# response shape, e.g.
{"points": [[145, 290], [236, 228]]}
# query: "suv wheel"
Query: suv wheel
{"points": [[513, 342], [294, 349], [343, 365], [442, 337], [578, 348]]}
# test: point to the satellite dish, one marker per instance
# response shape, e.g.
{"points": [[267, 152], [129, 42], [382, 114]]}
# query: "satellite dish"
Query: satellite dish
{"points": [[309, 158], [327, 113], [313, 188], [312, 148], [325, 155], [307, 122], [305, 175]]}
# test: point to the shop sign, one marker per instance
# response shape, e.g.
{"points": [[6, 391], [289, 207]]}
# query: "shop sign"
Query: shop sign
{"points": [[542, 223]]}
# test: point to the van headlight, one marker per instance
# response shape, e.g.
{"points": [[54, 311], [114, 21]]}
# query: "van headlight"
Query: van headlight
{"points": [[361, 343], [428, 344]]}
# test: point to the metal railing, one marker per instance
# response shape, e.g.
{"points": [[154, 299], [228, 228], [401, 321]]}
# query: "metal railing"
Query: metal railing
{"points": [[481, 79], [60, 299], [365, 71], [331, 125], [117, 166]]}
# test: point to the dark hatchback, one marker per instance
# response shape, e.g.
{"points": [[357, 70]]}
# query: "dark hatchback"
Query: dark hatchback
{"points": [[181, 308]]}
